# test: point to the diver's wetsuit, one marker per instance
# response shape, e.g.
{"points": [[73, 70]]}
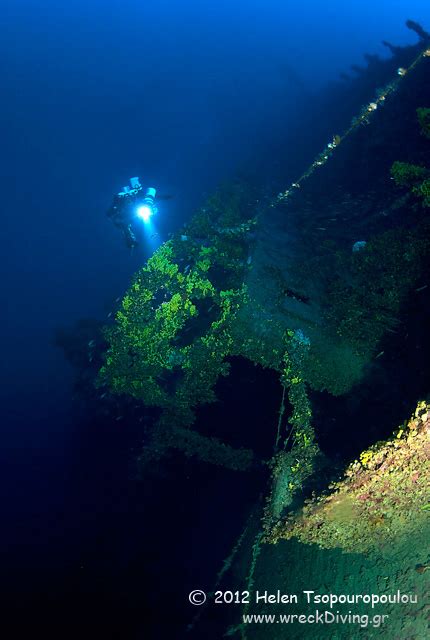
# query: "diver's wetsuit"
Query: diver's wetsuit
{"points": [[120, 212]]}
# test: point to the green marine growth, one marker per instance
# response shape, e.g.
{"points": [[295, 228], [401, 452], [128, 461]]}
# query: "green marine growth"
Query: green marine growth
{"points": [[380, 278], [363, 306], [291, 467], [381, 500], [416, 177], [172, 334], [424, 120], [406, 175], [174, 330]]}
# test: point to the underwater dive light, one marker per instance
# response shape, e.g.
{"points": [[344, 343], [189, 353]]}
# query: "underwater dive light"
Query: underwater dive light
{"points": [[146, 208]]}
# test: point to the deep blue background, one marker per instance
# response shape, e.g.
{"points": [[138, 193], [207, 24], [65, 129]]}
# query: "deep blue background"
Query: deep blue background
{"points": [[179, 93]]}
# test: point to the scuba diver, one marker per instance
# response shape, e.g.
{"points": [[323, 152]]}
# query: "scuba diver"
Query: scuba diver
{"points": [[130, 204]]}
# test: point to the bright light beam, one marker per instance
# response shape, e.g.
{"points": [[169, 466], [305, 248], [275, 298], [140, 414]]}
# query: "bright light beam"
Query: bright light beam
{"points": [[144, 212]]}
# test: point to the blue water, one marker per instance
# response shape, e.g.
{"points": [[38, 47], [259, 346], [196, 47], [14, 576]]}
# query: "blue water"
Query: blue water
{"points": [[182, 94]]}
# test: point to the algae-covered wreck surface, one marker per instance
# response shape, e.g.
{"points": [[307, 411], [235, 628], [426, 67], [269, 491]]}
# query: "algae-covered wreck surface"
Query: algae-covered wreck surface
{"points": [[326, 287]]}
